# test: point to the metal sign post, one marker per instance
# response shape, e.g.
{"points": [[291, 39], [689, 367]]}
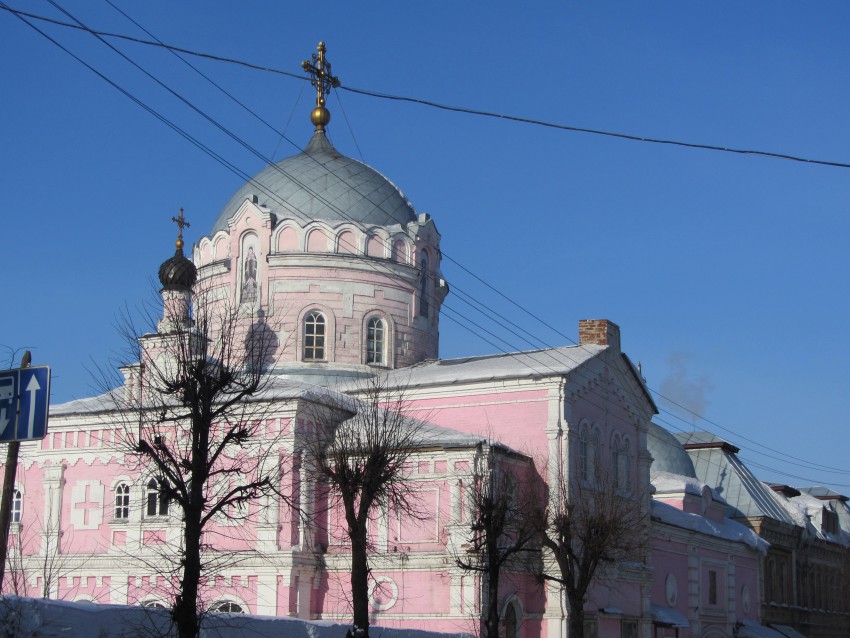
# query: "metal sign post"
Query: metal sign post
{"points": [[24, 402]]}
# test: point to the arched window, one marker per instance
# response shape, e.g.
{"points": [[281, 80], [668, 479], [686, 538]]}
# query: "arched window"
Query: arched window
{"points": [[399, 251], [157, 501], [347, 243], [423, 286], [623, 472], [122, 502], [582, 455], [376, 337], [17, 506], [616, 464], [510, 622], [153, 604], [227, 607], [593, 457], [314, 336]]}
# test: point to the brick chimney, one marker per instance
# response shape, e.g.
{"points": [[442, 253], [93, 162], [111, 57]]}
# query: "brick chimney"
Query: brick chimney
{"points": [[600, 332]]}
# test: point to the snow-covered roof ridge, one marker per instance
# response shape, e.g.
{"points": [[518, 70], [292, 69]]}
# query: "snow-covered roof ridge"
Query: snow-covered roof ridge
{"points": [[729, 530], [546, 362], [274, 388]]}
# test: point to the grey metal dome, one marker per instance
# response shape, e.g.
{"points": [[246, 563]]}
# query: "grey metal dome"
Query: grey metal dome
{"points": [[320, 183], [667, 453]]}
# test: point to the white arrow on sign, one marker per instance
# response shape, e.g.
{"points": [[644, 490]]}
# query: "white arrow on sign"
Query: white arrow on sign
{"points": [[32, 388], [3, 421]]}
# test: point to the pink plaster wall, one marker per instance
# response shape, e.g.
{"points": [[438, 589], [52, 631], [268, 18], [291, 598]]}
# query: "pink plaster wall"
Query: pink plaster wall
{"points": [[517, 418]]}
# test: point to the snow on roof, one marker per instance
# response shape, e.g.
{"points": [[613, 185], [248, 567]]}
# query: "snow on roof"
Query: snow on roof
{"points": [[668, 617], [548, 362], [57, 618], [729, 530], [808, 511], [669, 483], [101, 403], [429, 435], [439, 436], [277, 388], [823, 493]]}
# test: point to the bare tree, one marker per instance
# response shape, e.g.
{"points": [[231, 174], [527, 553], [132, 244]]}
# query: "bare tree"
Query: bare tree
{"points": [[361, 460], [194, 406], [501, 531], [586, 529], [28, 561]]}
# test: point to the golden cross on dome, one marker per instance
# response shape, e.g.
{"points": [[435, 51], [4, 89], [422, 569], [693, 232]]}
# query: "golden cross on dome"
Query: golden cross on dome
{"points": [[181, 223], [320, 77]]}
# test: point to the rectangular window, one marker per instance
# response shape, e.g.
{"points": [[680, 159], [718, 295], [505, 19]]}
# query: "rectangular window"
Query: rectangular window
{"points": [[629, 629], [712, 587], [590, 628], [830, 521]]}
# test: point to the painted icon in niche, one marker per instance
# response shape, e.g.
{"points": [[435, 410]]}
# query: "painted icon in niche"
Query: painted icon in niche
{"points": [[249, 276]]}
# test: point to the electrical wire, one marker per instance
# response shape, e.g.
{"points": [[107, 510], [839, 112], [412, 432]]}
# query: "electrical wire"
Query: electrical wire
{"points": [[248, 179], [454, 108]]}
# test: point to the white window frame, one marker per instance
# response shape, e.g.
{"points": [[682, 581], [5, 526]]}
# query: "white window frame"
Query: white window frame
{"points": [[314, 320], [376, 341]]}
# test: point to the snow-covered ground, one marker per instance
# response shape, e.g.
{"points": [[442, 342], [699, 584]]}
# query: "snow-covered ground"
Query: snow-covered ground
{"points": [[37, 618]]}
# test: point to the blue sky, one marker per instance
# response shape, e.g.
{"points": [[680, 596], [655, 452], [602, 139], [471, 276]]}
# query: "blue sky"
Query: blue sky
{"points": [[728, 274]]}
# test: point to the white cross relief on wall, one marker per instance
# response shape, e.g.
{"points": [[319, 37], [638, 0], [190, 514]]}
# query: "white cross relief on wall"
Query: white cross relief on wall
{"points": [[87, 504]]}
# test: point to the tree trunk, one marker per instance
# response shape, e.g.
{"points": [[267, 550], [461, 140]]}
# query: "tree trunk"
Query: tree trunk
{"points": [[576, 619], [360, 580], [492, 625], [185, 611]]}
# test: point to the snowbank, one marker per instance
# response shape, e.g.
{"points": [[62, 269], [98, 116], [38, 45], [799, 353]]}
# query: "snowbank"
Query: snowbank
{"points": [[37, 618]]}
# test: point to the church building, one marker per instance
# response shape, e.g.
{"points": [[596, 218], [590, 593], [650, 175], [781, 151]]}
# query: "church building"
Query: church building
{"points": [[332, 278]]}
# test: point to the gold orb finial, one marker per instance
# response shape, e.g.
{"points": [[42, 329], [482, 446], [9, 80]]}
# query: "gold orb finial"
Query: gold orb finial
{"points": [[320, 117], [320, 77]]}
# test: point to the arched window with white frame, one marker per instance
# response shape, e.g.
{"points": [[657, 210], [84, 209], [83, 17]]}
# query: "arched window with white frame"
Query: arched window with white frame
{"points": [[122, 502], [376, 341], [17, 506], [314, 336]]}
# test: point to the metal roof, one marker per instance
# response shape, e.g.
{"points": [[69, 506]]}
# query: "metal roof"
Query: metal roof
{"points": [[718, 465], [320, 183]]}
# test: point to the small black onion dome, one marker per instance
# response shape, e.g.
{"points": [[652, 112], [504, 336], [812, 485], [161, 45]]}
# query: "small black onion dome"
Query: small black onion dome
{"points": [[178, 273]]}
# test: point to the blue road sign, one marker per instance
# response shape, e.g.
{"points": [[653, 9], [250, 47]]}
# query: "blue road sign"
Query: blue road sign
{"points": [[24, 402]]}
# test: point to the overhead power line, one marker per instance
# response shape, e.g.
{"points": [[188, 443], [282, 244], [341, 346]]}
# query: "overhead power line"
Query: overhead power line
{"points": [[448, 107], [466, 319]]}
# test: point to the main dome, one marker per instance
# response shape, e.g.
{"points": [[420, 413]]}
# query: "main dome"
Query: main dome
{"points": [[320, 183]]}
